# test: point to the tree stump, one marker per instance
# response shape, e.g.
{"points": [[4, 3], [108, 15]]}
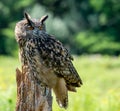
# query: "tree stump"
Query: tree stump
{"points": [[31, 96]]}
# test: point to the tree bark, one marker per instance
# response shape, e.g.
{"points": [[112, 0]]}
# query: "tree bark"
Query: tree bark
{"points": [[31, 96]]}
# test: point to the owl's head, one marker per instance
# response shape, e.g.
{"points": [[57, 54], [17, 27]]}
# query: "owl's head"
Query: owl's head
{"points": [[30, 27]]}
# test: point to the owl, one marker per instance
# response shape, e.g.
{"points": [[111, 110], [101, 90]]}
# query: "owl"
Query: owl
{"points": [[47, 58]]}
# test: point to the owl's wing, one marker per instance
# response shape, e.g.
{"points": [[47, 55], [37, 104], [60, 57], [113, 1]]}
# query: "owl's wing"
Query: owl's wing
{"points": [[57, 57]]}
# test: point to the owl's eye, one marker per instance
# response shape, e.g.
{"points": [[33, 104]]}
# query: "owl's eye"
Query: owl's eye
{"points": [[40, 27], [30, 28]]}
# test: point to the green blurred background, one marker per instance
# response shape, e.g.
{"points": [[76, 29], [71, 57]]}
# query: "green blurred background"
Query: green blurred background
{"points": [[90, 29], [84, 26]]}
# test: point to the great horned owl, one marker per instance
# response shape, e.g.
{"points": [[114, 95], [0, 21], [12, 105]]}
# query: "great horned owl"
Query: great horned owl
{"points": [[47, 58]]}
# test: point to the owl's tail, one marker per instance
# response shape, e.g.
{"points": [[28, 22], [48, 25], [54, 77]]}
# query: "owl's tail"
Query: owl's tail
{"points": [[61, 93]]}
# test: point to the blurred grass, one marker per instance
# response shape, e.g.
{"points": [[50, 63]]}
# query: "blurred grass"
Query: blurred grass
{"points": [[100, 90], [7, 83]]}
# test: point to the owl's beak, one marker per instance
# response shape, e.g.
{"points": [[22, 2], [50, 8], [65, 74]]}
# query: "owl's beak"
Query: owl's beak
{"points": [[28, 18], [35, 32]]}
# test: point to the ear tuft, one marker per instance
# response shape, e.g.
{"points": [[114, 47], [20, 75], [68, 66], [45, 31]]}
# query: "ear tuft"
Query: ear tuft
{"points": [[26, 15], [28, 18], [43, 18]]}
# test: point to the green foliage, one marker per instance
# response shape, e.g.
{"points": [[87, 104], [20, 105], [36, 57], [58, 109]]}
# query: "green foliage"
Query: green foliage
{"points": [[58, 7], [100, 90], [8, 43], [98, 5], [67, 18], [89, 42], [11, 11]]}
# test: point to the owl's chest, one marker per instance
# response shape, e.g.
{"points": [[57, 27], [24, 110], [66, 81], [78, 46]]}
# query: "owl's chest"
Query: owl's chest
{"points": [[27, 53], [32, 57]]}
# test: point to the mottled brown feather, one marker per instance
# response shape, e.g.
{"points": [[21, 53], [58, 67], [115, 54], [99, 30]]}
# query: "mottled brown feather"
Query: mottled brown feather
{"points": [[47, 58]]}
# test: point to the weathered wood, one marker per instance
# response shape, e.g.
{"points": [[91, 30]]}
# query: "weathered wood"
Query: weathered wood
{"points": [[31, 96]]}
